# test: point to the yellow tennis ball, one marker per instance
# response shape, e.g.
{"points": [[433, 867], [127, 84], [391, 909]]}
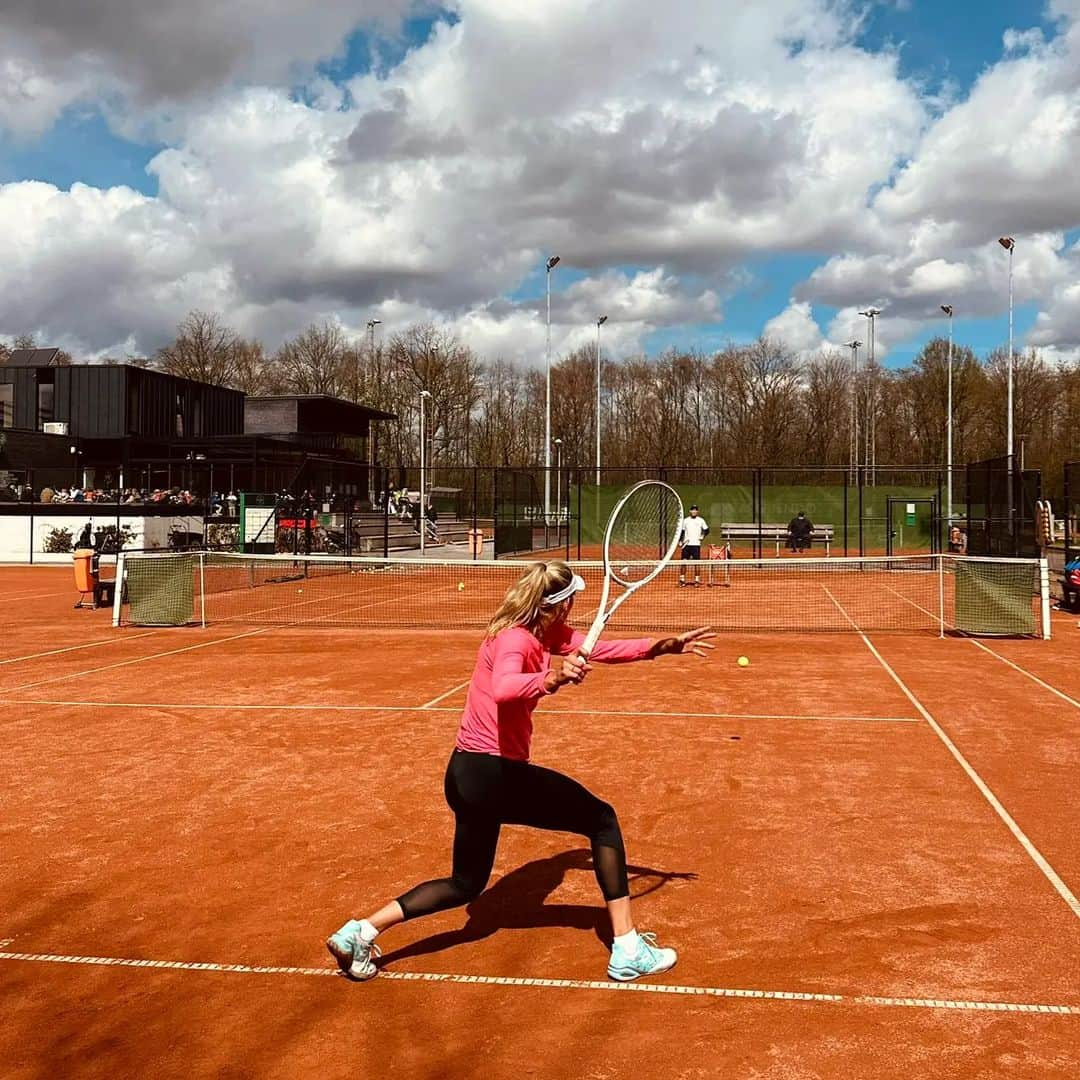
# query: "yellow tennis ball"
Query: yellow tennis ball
{"points": [[743, 661], [461, 586]]}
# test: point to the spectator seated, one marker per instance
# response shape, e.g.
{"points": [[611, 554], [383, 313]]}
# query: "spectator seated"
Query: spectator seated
{"points": [[775, 533]]}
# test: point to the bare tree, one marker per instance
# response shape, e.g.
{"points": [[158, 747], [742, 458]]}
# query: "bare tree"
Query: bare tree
{"points": [[313, 362], [205, 350]]}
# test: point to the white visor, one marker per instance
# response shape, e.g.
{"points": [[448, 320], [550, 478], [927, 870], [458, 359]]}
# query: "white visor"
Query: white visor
{"points": [[575, 586]]}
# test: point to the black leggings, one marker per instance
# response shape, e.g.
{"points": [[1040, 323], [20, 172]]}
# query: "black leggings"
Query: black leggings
{"points": [[486, 792]]}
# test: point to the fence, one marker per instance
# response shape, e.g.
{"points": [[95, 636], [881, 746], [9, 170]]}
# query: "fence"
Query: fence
{"points": [[894, 511], [1070, 510], [1001, 508]]}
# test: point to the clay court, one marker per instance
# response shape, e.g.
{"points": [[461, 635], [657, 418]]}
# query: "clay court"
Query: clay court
{"points": [[863, 846]]}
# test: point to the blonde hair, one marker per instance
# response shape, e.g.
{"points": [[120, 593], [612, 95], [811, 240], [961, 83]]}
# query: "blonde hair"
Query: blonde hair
{"points": [[524, 604]]}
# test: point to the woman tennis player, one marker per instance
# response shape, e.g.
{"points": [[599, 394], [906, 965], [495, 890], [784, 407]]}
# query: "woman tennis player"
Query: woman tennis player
{"points": [[490, 781]]}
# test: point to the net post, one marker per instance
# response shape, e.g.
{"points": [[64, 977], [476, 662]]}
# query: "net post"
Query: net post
{"points": [[1044, 597], [202, 589], [118, 590], [941, 593]]}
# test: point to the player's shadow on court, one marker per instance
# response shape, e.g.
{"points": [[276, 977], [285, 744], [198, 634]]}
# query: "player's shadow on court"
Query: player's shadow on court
{"points": [[516, 902]]}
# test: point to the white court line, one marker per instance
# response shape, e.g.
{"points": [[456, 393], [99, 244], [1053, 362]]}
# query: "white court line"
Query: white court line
{"points": [[563, 984], [435, 701], [228, 707], [1033, 852], [35, 596], [140, 659], [75, 648], [1023, 671]]}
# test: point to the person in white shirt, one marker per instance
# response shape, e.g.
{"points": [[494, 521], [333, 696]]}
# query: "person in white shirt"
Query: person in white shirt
{"points": [[694, 530]]}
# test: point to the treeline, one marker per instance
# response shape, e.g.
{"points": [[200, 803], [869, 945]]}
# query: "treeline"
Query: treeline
{"points": [[755, 404]]}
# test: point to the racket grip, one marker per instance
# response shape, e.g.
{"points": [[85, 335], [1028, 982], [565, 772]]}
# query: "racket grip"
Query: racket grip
{"points": [[591, 638]]}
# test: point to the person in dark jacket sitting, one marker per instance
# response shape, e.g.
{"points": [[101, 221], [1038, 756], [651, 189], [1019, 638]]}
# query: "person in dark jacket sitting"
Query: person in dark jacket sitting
{"points": [[799, 530]]}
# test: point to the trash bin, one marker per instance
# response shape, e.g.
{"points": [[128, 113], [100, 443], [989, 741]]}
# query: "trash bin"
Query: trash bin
{"points": [[476, 542]]}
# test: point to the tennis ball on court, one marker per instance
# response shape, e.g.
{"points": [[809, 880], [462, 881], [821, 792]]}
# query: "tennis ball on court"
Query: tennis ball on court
{"points": [[743, 661], [461, 586]]}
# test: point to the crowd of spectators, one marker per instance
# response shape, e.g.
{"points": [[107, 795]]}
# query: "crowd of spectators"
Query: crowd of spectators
{"points": [[218, 503]]}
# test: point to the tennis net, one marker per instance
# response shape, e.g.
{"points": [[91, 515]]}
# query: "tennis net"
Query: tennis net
{"points": [[935, 593]]}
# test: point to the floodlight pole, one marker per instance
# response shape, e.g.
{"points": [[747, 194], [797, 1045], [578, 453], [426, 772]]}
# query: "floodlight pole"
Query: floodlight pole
{"points": [[947, 308], [871, 315], [558, 487], [854, 347], [549, 266], [371, 324], [1009, 244], [599, 322], [422, 521]]}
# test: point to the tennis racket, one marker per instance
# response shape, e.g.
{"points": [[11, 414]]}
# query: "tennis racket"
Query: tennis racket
{"points": [[641, 536]]}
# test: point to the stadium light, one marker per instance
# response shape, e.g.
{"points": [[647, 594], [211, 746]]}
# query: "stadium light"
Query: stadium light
{"points": [[947, 308], [371, 324], [599, 322], [549, 266]]}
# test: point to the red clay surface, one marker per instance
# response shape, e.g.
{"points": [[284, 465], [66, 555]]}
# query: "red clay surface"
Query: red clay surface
{"points": [[795, 827]]}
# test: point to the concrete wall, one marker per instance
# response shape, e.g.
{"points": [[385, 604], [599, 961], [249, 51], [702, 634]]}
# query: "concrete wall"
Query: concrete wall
{"points": [[25, 539]]}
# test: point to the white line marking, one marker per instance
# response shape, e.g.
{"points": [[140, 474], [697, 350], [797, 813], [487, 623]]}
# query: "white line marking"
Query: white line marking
{"points": [[1010, 823], [35, 596], [227, 707], [561, 984], [75, 648], [1023, 671], [435, 701], [140, 659]]}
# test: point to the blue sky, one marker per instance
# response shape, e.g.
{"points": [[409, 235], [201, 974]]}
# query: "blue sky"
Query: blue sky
{"points": [[942, 50]]}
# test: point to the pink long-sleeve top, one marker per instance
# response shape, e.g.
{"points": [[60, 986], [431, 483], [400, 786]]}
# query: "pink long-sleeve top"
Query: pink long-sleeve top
{"points": [[508, 681]]}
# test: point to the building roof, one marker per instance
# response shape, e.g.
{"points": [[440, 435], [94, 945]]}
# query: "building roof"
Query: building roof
{"points": [[33, 358], [367, 410]]}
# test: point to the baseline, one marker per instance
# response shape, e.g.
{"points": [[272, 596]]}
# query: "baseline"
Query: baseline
{"points": [[562, 984]]}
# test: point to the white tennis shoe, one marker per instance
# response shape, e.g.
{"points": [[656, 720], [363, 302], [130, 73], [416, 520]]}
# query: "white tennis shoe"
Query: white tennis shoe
{"points": [[644, 958], [355, 956]]}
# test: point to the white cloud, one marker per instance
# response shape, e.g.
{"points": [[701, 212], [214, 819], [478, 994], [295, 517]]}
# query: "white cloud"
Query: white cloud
{"points": [[428, 190], [797, 328], [141, 52]]}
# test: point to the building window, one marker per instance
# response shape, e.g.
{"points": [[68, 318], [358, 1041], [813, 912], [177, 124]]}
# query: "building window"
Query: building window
{"points": [[45, 403], [7, 405], [179, 418]]}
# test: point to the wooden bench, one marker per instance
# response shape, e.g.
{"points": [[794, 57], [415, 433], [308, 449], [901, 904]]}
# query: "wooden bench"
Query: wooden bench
{"points": [[774, 532]]}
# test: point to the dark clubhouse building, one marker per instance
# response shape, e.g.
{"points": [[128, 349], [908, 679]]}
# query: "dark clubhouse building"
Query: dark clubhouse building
{"points": [[121, 426]]}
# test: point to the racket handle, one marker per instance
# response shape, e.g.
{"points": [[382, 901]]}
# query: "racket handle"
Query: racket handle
{"points": [[591, 638]]}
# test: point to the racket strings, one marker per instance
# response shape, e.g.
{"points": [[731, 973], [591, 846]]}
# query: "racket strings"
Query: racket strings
{"points": [[642, 532]]}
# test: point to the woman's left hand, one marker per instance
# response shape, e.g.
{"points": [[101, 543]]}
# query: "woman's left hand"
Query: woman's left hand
{"points": [[696, 641]]}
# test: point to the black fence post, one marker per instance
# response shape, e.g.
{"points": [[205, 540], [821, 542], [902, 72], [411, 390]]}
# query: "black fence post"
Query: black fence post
{"points": [[386, 528], [758, 496], [859, 481], [579, 516], [845, 476], [30, 538], [475, 511], [1068, 508]]}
